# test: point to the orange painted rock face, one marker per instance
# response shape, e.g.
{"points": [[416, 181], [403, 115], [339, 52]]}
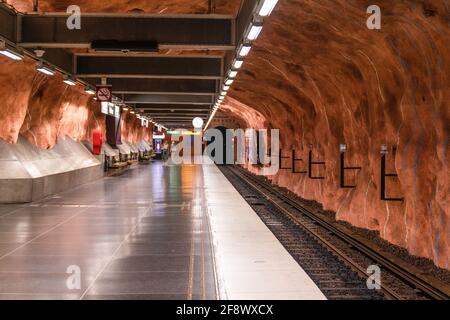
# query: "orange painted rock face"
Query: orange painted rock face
{"points": [[323, 78], [229, 7], [43, 108], [132, 130], [15, 88]]}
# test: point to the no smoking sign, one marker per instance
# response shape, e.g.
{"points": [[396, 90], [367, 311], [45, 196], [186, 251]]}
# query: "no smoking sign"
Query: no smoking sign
{"points": [[104, 93]]}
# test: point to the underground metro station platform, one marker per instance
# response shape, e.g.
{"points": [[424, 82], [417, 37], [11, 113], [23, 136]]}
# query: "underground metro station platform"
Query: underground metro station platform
{"points": [[239, 150]]}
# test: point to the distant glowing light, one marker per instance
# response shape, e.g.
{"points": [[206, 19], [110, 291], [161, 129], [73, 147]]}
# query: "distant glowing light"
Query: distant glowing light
{"points": [[197, 122], [228, 82]]}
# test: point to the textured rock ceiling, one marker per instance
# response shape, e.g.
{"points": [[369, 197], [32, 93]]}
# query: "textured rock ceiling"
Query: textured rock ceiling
{"points": [[43, 108], [323, 78], [229, 7]]}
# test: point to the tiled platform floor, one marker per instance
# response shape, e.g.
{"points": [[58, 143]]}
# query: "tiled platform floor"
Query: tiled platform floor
{"points": [[251, 262], [142, 235]]}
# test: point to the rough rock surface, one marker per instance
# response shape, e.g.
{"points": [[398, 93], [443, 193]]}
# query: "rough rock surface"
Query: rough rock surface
{"points": [[43, 108], [230, 7], [327, 80], [323, 78]]}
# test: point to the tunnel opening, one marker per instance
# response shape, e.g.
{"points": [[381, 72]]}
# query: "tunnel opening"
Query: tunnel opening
{"points": [[220, 156]]}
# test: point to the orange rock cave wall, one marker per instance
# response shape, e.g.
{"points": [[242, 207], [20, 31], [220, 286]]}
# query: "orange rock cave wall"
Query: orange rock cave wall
{"points": [[43, 108], [319, 75], [323, 78], [328, 79]]}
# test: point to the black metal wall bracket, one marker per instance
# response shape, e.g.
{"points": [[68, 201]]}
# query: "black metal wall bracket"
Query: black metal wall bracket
{"points": [[343, 168], [311, 163], [294, 161], [280, 161], [383, 180]]}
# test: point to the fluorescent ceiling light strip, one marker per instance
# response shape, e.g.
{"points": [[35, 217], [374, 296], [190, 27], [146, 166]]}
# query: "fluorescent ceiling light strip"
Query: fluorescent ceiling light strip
{"points": [[70, 82], [232, 74], [46, 70], [267, 7], [11, 54], [244, 51], [238, 64], [254, 32]]}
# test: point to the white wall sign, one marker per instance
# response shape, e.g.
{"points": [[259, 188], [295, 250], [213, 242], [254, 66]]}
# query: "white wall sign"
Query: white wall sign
{"points": [[111, 109], [144, 122]]}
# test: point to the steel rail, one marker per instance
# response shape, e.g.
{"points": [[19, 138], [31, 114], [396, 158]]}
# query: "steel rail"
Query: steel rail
{"points": [[432, 291]]}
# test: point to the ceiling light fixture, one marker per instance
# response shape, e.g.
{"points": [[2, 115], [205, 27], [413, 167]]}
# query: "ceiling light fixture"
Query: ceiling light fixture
{"points": [[45, 69], [237, 64], [267, 7], [69, 81], [232, 74], [226, 88], [9, 52], [254, 31], [89, 91], [228, 82], [244, 50]]}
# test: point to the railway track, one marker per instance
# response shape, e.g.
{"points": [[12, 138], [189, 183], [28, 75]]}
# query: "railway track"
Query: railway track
{"points": [[333, 257]]}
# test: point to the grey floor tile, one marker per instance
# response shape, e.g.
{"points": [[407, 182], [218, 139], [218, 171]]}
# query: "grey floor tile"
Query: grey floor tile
{"points": [[40, 283], [141, 283], [149, 263], [40, 296], [139, 296], [131, 235], [161, 247], [67, 249], [51, 264]]}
